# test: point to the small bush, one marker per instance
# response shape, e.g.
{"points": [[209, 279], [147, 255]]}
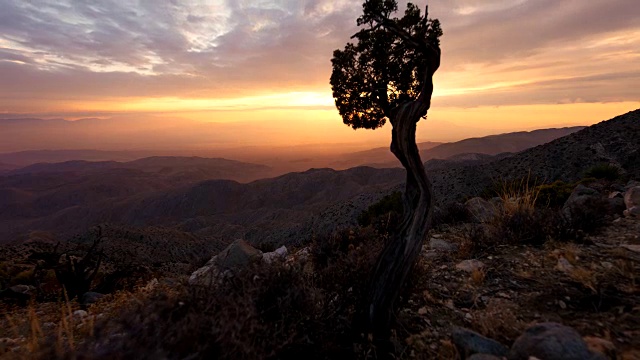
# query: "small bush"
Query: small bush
{"points": [[383, 214], [452, 213], [554, 195], [604, 171]]}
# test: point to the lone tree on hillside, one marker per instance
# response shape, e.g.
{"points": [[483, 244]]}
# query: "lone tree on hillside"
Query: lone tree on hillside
{"points": [[388, 75]]}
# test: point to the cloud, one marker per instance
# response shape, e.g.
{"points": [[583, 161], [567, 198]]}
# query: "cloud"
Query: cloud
{"points": [[57, 52]]}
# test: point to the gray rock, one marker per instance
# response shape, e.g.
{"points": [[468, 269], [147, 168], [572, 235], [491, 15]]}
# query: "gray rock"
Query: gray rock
{"points": [[480, 209], [90, 297], [632, 212], [551, 341], [616, 194], [441, 245], [279, 253], [632, 197], [470, 265], [470, 342], [579, 198], [80, 314], [237, 255]]}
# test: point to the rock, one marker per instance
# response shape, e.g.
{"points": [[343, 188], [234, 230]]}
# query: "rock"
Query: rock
{"points": [[480, 209], [441, 245], [237, 255], [616, 194], [483, 357], [633, 212], [580, 197], [551, 341], [279, 253], [80, 314], [206, 275], [470, 265], [90, 297], [601, 346], [634, 248], [616, 206], [632, 197], [564, 265], [470, 342]]}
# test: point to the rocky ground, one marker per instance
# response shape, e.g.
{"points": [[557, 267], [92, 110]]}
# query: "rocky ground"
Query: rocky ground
{"points": [[591, 286]]}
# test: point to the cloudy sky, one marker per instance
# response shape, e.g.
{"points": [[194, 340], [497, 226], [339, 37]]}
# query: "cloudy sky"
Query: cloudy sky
{"points": [[507, 64]]}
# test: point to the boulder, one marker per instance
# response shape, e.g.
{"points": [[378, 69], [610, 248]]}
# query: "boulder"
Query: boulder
{"points": [[632, 212], [480, 209], [278, 254], [632, 197], [469, 342], [441, 245], [551, 341], [235, 256], [581, 197], [470, 265]]}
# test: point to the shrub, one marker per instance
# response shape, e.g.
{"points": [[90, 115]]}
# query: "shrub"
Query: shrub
{"points": [[452, 213], [383, 214], [604, 171], [554, 195]]}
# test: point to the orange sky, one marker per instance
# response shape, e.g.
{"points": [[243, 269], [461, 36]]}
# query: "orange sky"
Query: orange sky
{"points": [[507, 65]]}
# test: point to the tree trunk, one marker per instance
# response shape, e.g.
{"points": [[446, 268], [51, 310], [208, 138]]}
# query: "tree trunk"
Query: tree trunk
{"points": [[399, 255]]}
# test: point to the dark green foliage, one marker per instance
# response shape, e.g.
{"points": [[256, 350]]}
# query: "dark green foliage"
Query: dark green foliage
{"points": [[381, 70], [604, 171], [554, 195], [385, 212]]}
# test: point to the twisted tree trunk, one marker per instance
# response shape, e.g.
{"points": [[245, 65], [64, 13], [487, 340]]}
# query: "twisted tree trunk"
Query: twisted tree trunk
{"points": [[399, 255]]}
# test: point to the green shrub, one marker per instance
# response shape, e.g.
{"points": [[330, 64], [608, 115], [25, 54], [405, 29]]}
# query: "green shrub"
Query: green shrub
{"points": [[383, 214], [554, 195], [604, 171]]}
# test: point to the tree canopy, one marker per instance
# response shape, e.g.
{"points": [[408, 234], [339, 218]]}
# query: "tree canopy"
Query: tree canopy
{"points": [[386, 65]]}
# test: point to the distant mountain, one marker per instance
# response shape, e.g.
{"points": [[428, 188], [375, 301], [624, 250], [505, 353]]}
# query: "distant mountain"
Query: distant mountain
{"points": [[294, 207], [173, 169], [491, 145], [6, 167], [377, 157], [24, 158]]}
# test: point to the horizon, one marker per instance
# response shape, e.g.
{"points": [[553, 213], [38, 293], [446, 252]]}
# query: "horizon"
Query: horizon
{"points": [[220, 74]]}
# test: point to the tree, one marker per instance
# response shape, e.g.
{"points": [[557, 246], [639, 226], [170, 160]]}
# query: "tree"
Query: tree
{"points": [[387, 74]]}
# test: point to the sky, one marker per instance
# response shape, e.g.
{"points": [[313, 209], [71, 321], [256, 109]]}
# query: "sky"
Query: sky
{"points": [[262, 67]]}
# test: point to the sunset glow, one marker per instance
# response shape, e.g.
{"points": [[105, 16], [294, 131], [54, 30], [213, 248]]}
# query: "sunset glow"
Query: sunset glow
{"points": [[507, 64]]}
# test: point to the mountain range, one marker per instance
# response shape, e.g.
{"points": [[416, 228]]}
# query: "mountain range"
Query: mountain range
{"points": [[286, 209]]}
